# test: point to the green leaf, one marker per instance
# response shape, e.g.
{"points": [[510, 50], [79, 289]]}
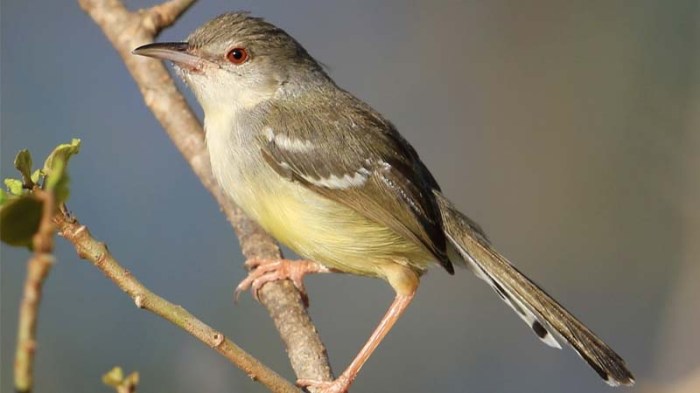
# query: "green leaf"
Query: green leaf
{"points": [[58, 181], [131, 381], [3, 197], [36, 175], [55, 169], [62, 152], [114, 377], [23, 163], [14, 186], [19, 220]]}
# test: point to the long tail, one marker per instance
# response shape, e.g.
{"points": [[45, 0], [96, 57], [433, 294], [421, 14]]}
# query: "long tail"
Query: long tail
{"points": [[542, 313]]}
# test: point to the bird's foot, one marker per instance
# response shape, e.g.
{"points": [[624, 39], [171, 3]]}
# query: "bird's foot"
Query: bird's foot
{"points": [[340, 385], [262, 271]]}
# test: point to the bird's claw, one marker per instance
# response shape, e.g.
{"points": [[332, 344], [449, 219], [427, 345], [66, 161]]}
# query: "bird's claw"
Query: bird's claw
{"points": [[263, 271]]}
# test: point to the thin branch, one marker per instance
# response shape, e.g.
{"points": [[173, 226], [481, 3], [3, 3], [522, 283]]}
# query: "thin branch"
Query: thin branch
{"points": [[38, 269], [96, 252], [127, 30], [168, 12]]}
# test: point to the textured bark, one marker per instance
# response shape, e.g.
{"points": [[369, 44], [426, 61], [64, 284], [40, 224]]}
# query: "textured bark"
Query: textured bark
{"points": [[38, 269], [127, 30], [96, 252]]}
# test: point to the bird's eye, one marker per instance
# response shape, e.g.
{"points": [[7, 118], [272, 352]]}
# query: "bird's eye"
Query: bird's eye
{"points": [[237, 56]]}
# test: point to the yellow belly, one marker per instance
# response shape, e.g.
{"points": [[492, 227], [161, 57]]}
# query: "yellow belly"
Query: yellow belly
{"points": [[315, 227], [320, 229]]}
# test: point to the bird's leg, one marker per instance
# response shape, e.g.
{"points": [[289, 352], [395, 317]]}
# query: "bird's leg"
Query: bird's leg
{"points": [[343, 382], [263, 271]]}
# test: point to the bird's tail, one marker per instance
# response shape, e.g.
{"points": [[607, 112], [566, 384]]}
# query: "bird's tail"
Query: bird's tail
{"points": [[542, 313]]}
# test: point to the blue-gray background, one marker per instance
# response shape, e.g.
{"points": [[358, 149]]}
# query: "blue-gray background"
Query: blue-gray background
{"points": [[568, 129]]}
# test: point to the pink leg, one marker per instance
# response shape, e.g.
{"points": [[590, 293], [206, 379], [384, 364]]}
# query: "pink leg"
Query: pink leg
{"points": [[263, 271], [343, 382]]}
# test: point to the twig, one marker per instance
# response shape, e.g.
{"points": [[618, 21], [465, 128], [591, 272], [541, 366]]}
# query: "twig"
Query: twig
{"points": [[127, 30], [38, 268], [96, 252]]}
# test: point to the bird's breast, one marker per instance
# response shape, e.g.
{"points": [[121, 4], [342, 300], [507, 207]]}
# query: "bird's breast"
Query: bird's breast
{"points": [[312, 225]]}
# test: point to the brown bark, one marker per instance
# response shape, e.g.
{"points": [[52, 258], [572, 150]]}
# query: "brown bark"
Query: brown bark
{"points": [[127, 30]]}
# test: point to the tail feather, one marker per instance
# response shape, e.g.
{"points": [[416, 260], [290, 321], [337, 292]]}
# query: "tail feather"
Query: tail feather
{"points": [[527, 314], [539, 310]]}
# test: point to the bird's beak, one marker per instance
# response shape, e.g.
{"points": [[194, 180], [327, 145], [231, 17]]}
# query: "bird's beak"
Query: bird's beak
{"points": [[177, 52]]}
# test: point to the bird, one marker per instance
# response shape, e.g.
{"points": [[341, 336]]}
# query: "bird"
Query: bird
{"points": [[332, 179]]}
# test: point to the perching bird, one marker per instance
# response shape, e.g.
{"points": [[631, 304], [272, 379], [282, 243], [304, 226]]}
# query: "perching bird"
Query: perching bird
{"points": [[332, 179]]}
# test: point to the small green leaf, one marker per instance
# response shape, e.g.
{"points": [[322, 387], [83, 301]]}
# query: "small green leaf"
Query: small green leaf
{"points": [[23, 163], [3, 197], [114, 377], [59, 166], [19, 220], [55, 169], [58, 181], [62, 152], [14, 186], [36, 176], [131, 380]]}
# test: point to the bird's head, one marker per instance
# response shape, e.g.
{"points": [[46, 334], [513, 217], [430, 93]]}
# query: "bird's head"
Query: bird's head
{"points": [[239, 60]]}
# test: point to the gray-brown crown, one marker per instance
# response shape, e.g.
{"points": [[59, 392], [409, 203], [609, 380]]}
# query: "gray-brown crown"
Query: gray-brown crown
{"points": [[260, 36]]}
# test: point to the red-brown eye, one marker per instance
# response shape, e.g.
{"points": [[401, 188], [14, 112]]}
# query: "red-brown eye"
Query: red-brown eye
{"points": [[237, 55]]}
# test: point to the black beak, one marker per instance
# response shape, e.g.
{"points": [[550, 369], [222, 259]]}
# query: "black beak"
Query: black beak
{"points": [[177, 52]]}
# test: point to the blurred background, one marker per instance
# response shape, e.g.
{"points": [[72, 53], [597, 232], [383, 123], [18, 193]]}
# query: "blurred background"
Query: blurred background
{"points": [[569, 130]]}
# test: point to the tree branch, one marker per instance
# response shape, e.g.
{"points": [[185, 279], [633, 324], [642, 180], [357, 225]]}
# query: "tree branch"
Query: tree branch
{"points": [[38, 269], [96, 252], [127, 30]]}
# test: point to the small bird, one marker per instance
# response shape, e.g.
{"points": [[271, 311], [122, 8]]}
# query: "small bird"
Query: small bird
{"points": [[332, 179]]}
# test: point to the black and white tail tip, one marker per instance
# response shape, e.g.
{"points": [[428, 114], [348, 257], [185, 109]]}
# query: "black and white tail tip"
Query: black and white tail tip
{"points": [[532, 304]]}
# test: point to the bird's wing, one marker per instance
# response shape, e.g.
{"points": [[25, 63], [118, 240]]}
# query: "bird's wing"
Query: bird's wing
{"points": [[347, 152]]}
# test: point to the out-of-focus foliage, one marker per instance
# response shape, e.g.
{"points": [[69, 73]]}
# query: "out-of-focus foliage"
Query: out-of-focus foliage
{"points": [[116, 379], [20, 210]]}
